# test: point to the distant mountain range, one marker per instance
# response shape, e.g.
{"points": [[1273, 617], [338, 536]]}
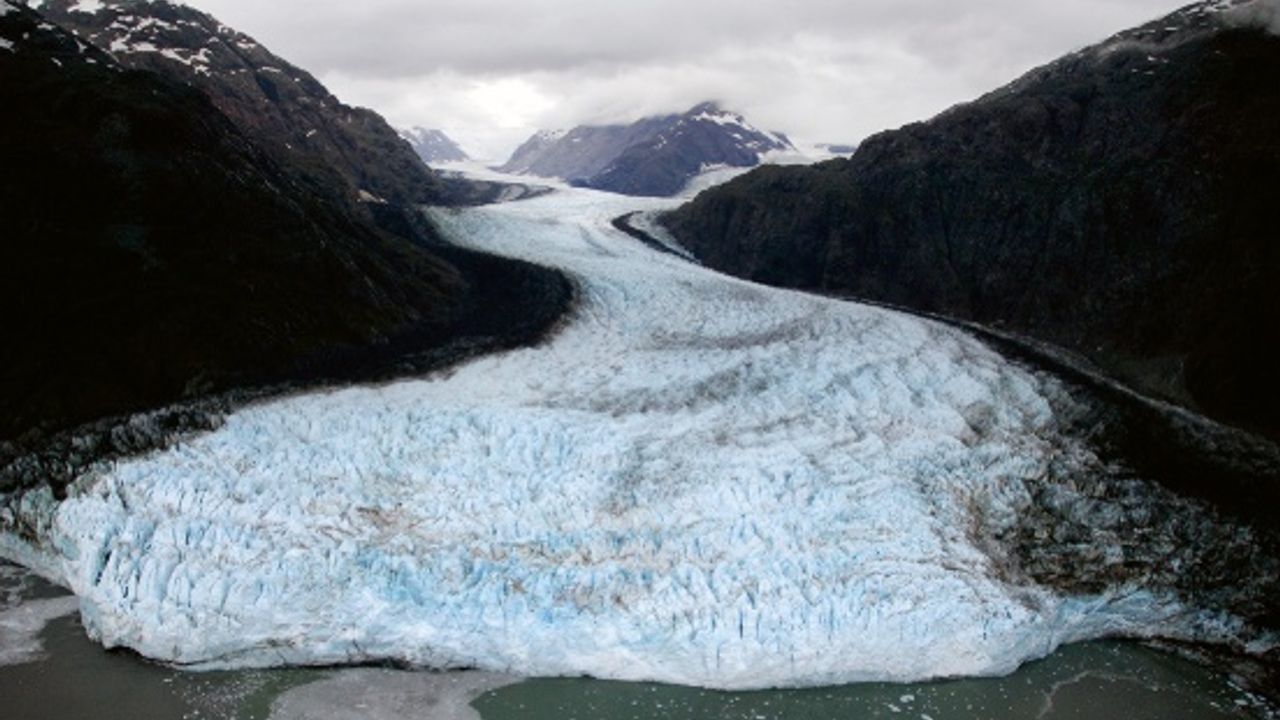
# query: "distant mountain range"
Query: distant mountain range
{"points": [[1119, 203], [162, 242], [433, 146], [655, 156]]}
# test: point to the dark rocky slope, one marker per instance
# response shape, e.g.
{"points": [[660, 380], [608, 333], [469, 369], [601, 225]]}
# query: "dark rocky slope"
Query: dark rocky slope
{"points": [[1119, 203], [281, 106], [151, 252], [654, 156]]}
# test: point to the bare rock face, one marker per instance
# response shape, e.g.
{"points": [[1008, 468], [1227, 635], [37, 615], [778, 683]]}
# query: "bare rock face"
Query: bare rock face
{"points": [[655, 156], [1119, 202]]}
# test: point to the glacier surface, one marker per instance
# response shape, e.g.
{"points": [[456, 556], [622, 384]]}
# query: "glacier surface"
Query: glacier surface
{"points": [[698, 481]]}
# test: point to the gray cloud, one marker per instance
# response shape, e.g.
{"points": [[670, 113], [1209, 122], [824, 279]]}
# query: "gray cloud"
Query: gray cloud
{"points": [[490, 71], [1263, 14]]}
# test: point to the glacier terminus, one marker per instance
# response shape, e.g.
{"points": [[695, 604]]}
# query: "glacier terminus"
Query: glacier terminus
{"points": [[697, 480]]}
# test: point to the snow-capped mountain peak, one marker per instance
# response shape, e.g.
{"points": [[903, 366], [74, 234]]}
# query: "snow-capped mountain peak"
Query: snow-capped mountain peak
{"points": [[737, 126], [712, 112], [655, 155]]}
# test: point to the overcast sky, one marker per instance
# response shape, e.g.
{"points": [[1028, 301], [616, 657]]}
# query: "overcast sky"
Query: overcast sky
{"points": [[489, 72]]}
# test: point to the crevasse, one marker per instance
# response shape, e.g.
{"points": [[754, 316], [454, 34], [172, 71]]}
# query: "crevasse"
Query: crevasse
{"points": [[698, 481]]}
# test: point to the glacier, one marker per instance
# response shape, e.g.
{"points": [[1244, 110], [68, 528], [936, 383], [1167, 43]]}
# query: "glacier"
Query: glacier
{"points": [[697, 480]]}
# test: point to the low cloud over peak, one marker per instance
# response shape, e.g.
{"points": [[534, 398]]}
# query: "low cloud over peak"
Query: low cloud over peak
{"points": [[490, 71]]}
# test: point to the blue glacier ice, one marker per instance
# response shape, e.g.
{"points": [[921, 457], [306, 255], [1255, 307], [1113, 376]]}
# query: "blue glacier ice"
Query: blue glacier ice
{"points": [[698, 480]]}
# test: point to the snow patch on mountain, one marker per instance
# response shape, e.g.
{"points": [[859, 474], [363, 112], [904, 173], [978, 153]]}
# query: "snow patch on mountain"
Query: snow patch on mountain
{"points": [[727, 119], [140, 34], [7, 44], [720, 118], [197, 61]]}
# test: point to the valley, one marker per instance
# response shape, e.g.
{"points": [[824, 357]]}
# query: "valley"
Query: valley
{"points": [[665, 416], [697, 480]]}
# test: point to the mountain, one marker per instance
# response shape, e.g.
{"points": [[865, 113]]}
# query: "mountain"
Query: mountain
{"points": [[654, 156], [280, 105], [1119, 203], [153, 252], [433, 146], [283, 106], [528, 153]]}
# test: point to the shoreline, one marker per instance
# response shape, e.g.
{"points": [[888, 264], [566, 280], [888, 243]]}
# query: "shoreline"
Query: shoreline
{"points": [[1096, 678]]}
